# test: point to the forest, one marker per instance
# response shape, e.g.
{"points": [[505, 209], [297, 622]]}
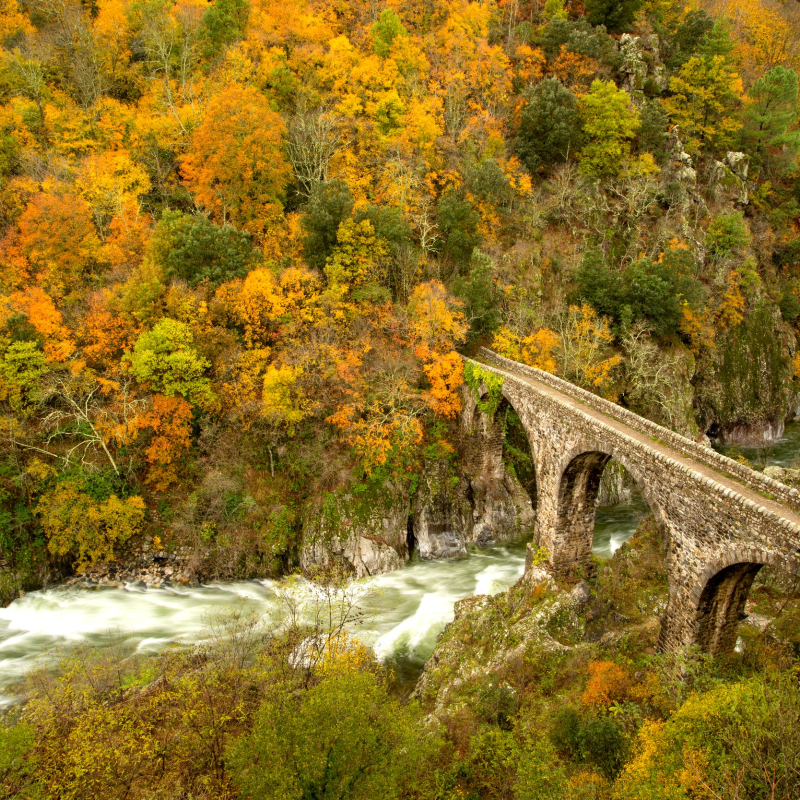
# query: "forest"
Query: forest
{"points": [[244, 245]]}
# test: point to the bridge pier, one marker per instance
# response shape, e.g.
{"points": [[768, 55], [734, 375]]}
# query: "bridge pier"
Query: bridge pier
{"points": [[565, 518]]}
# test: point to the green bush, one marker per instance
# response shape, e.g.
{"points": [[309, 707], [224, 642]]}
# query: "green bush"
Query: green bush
{"points": [[739, 740], [598, 741], [194, 249], [223, 24], [580, 37]]}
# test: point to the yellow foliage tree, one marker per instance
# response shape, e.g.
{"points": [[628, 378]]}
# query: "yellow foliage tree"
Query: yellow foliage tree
{"points": [[356, 261], [584, 350], [705, 95], [284, 403], [75, 522], [536, 350], [446, 374], [437, 324]]}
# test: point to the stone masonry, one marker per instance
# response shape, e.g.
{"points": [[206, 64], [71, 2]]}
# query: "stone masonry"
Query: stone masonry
{"points": [[723, 520]]}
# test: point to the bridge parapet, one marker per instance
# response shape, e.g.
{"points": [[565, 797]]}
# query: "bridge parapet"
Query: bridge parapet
{"points": [[704, 455]]}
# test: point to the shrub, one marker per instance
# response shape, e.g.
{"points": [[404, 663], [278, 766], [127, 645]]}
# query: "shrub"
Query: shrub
{"points": [[344, 738], [591, 740], [738, 740], [75, 522]]}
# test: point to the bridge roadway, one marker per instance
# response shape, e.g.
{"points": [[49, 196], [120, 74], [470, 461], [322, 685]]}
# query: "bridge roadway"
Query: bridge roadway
{"points": [[722, 520]]}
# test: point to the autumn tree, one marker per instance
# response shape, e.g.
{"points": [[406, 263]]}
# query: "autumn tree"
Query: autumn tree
{"points": [[584, 353], [355, 262], [169, 423], [705, 97], [437, 323], [235, 166], [609, 125], [537, 349], [164, 359], [34, 311], [263, 305], [60, 240], [445, 373], [284, 403], [77, 522], [112, 183]]}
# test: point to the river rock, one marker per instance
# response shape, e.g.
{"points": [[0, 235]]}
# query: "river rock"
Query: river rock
{"points": [[365, 543]]}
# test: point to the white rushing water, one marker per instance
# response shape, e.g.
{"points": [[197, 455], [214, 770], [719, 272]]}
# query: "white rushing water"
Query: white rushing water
{"points": [[402, 613]]}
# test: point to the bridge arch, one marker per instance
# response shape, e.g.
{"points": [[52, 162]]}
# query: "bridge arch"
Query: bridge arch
{"points": [[492, 433], [511, 436], [570, 532], [717, 599]]}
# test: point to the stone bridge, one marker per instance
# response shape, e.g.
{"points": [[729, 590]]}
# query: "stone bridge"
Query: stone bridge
{"points": [[722, 520]]}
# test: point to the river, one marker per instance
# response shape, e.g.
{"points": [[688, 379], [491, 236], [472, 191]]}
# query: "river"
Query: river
{"points": [[783, 453], [403, 612]]}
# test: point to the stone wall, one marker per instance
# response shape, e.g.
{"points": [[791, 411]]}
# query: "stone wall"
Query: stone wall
{"points": [[710, 527]]}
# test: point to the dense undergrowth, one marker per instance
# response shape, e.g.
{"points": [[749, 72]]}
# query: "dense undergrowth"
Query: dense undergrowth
{"points": [[241, 246]]}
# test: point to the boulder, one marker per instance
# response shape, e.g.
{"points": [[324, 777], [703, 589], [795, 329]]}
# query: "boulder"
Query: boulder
{"points": [[788, 477], [364, 544]]}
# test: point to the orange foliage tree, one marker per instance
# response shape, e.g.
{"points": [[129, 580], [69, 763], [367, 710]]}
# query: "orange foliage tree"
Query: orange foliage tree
{"points": [[608, 683], [170, 420], [235, 166], [41, 313], [59, 239]]}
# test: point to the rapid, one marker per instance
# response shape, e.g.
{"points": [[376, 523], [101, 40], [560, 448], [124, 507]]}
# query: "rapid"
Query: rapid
{"points": [[400, 614]]}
